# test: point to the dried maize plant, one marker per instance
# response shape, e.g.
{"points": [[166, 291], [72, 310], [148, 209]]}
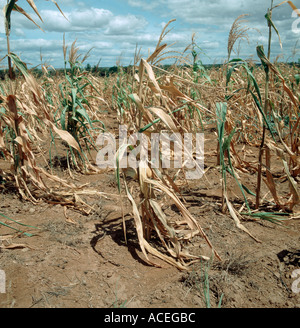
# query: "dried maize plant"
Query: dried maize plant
{"points": [[76, 114], [287, 150], [239, 121], [8, 9], [21, 112], [155, 185], [259, 100]]}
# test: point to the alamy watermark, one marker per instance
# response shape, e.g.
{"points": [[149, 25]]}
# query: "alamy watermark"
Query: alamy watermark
{"points": [[2, 282], [296, 282], [167, 150], [296, 22]]}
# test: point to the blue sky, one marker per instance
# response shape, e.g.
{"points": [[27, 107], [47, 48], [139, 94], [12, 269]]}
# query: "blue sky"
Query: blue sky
{"points": [[113, 28]]}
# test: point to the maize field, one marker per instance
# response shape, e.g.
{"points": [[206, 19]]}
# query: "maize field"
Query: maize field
{"points": [[76, 234]]}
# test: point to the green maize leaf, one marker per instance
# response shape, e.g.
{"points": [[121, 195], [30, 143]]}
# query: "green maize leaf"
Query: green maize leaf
{"points": [[87, 130], [63, 118], [19, 64], [234, 92], [228, 74], [8, 226], [226, 143], [80, 91], [249, 72], [221, 111], [69, 80], [82, 111], [29, 134], [74, 95], [62, 91], [7, 12], [276, 218], [84, 86], [261, 55], [270, 22], [1, 88], [248, 191], [22, 224], [258, 104], [149, 125], [236, 62]]}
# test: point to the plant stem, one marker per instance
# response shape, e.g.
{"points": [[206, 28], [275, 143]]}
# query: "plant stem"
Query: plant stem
{"points": [[9, 59], [261, 148]]}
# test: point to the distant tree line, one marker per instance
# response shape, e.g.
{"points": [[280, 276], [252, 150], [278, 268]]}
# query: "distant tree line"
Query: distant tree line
{"points": [[97, 71], [107, 71]]}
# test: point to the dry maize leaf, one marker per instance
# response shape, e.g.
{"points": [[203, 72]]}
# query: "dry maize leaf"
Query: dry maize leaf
{"points": [[162, 218], [156, 53], [189, 220], [293, 183], [34, 88], [171, 125], [142, 177], [171, 234], [37, 181], [14, 246], [165, 118], [57, 179], [33, 6], [143, 243], [178, 94], [66, 136], [59, 9], [2, 144], [12, 106], [279, 151], [28, 110], [270, 181], [23, 12], [236, 219], [295, 126], [138, 223], [141, 107], [151, 75], [68, 219], [6, 237], [163, 257], [276, 72], [294, 7], [141, 76], [160, 232]]}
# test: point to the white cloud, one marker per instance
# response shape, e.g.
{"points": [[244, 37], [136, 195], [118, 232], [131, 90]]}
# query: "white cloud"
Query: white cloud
{"points": [[88, 20], [77, 20], [32, 45], [124, 25], [2, 26], [112, 31], [145, 5]]}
